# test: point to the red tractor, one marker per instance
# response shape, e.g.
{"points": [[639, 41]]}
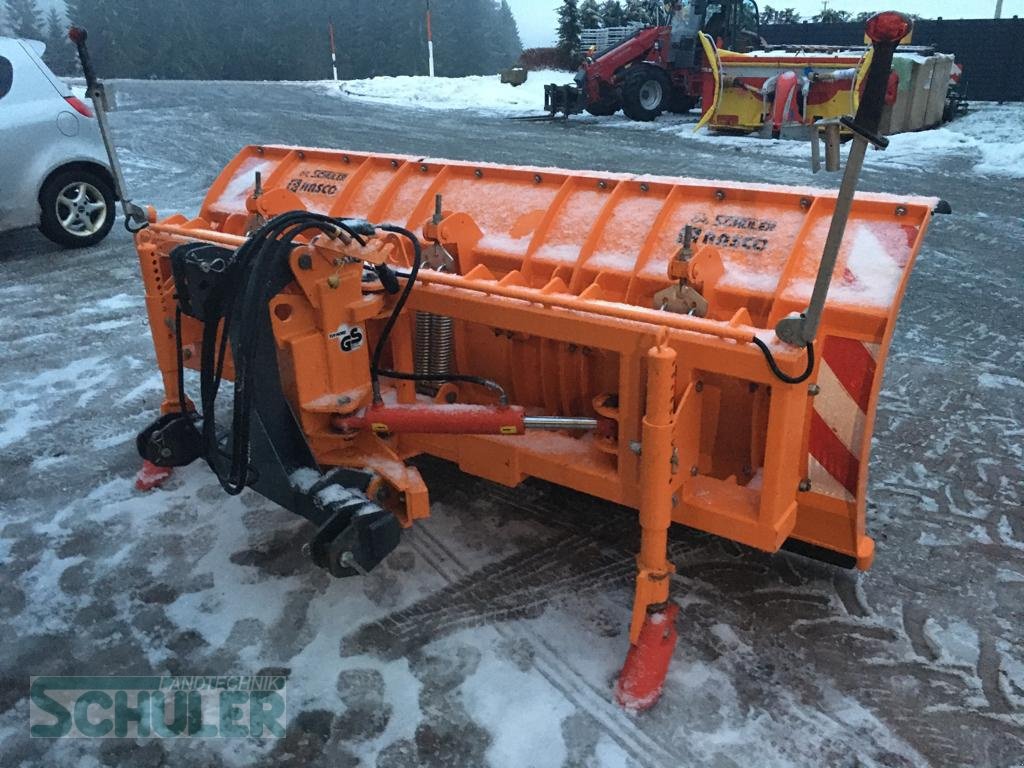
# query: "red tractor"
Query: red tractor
{"points": [[658, 68]]}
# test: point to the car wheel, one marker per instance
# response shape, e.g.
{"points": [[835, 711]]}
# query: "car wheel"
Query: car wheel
{"points": [[645, 92], [78, 208]]}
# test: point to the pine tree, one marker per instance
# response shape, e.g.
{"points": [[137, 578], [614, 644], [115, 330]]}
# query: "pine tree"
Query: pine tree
{"points": [[590, 14], [24, 18], [101, 19], [639, 11], [511, 43], [187, 38], [612, 14], [462, 29], [59, 55], [569, 29]]}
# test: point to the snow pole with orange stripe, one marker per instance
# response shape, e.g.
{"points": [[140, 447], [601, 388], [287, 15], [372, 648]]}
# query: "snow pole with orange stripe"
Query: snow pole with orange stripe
{"points": [[430, 43]]}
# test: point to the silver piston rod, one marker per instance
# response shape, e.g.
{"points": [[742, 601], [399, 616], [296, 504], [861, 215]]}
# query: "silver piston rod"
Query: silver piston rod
{"points": [[576, 423]]}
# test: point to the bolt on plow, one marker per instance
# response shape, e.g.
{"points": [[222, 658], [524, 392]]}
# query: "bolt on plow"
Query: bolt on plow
{"points": [[707, 353]]}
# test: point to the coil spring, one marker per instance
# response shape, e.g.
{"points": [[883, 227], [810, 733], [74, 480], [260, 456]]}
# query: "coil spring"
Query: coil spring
{"points": [[441, 333], [433, 353], [421, 358]]}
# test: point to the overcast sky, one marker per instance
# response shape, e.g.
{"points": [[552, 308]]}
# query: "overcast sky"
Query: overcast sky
{"points": [[537, 21]]}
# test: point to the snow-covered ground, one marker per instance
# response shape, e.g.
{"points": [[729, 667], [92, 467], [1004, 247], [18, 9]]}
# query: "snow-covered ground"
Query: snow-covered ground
{"points": [[492, 635], [992, 135], [485, 94]]}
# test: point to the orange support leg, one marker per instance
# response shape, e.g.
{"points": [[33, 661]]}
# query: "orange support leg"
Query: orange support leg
{"points": [[151, 476], [652, 633]]}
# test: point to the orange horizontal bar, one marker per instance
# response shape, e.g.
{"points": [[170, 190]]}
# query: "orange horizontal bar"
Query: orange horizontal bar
{"points": [[740, 333]]}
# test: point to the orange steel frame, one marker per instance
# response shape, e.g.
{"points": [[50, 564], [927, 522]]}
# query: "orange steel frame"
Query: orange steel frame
{"points": [[697, 410]]}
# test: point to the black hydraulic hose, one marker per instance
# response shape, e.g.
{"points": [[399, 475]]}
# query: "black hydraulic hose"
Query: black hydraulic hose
{"points": [[251, 280], [378, 350], [275, 244], [248, 281], [277, 241], [779, 373], [247, 259], [411, 276]]}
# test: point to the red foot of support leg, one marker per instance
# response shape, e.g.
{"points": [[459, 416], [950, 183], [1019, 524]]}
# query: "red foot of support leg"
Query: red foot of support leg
{"points": [[151, 476], [643, 674]]}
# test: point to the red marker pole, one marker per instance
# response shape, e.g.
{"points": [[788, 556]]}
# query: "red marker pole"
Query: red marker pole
{"points": [[334, 57], [430, 42]]}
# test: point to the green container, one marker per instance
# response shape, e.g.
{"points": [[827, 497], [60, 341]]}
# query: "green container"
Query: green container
{"points": [[514, 76]]}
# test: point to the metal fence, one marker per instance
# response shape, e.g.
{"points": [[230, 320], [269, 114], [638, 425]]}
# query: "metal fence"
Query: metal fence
{"points": [[990, 51], [606, 37]]}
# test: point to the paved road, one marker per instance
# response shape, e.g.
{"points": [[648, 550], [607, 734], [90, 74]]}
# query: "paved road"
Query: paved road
{"points": [[493, 633]]}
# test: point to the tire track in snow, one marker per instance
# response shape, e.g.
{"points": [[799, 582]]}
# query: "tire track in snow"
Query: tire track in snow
{"points": [[515, 587], [570, 683]]}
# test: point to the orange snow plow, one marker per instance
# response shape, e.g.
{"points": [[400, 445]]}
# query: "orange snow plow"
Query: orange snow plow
{"points": [[661, 343]]}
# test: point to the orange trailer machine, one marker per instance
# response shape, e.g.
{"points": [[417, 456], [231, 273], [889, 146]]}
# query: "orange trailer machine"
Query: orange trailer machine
{"points": [[662, 343]]}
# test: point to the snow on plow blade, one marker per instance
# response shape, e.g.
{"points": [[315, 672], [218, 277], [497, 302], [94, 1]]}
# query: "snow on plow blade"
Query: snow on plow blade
{"points": [[618, 312]]}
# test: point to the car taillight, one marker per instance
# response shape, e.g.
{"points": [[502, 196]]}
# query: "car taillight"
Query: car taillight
{"points": [[80, 106]]}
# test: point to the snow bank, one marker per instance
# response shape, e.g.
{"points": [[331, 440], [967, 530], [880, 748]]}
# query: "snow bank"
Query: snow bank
{"points": [[991, 135], [485, 94]]}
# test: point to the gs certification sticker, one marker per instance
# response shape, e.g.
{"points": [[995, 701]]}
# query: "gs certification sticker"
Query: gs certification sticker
{"points": [[350, 337]]}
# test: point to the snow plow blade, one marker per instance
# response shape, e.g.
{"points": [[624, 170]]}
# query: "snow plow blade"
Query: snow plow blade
{"points": [[781, 94], [624, 324]]}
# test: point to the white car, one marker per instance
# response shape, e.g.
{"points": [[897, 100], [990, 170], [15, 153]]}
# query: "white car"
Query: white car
{"points": [[54, 171]]}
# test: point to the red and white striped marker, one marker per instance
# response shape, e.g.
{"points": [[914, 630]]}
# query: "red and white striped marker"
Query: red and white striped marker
{"points": [[334, 58], [955, 73], [430, 43], [845, 377]]}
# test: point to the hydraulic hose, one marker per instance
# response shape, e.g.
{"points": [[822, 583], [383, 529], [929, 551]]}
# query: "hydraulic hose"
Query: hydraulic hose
{"points": [[779, 373], [376, 372], [378, 350]]}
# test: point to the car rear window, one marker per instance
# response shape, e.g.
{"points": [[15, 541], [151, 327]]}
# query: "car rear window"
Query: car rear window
{"points": [[6, 76]]}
